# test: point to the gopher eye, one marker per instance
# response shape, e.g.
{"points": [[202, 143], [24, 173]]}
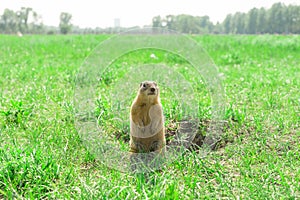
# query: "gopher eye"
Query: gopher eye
{"points": [[144, 85]]}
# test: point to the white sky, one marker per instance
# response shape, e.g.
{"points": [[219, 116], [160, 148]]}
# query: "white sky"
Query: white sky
{"points": [[90, 13]]}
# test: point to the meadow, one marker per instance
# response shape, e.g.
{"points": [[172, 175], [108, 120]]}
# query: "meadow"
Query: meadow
{"points": [[42, 155]]}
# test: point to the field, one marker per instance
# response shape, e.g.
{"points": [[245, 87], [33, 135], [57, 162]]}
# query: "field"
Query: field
{"points": [[42, 155]]}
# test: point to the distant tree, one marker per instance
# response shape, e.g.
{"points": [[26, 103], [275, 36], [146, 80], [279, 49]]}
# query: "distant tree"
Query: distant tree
{"points": [[191, 24], [240, 19], [9, 21], [24, 15], [156, 22], [237, 23], [171, 22], [293, 20], [276, 18], [206, 26], [262, 23], [297, 20], [251, 21], [65, 25], [36, 26], [227, 24], [218, 28], [182, 23]]}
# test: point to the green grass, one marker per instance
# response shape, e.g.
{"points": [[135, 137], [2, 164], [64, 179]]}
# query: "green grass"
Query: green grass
{"points": [[42, 155]]}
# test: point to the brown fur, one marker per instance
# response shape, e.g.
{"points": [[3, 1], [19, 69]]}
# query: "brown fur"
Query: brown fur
{"points": [[147, 132]]}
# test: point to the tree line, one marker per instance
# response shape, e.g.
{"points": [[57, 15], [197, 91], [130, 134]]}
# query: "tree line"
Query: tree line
{"points": [[27, 21], [279, 19], [24, 20]]}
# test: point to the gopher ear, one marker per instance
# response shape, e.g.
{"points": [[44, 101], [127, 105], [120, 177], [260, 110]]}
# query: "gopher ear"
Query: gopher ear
{"points": [[141, 84], [155, 83]]}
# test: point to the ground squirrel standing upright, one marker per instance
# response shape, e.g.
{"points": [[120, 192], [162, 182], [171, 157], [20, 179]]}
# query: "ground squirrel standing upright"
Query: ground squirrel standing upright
{"points": [[147, 132]]}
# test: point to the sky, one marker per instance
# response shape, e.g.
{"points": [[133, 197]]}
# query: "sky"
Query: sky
{"points": [[91, 13]]}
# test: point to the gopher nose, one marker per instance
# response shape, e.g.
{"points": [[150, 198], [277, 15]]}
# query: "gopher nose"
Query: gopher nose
{"points": [[152, 89]]}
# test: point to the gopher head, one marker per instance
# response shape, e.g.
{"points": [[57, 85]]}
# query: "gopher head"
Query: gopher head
{"points": [[149, 88]]}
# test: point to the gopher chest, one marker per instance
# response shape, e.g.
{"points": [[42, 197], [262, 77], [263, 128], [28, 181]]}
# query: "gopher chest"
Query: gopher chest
{"points": [[146, 122], [142, 117]]}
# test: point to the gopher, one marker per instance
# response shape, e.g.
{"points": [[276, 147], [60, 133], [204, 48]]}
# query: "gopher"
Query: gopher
{"points": [[147, 132]]}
